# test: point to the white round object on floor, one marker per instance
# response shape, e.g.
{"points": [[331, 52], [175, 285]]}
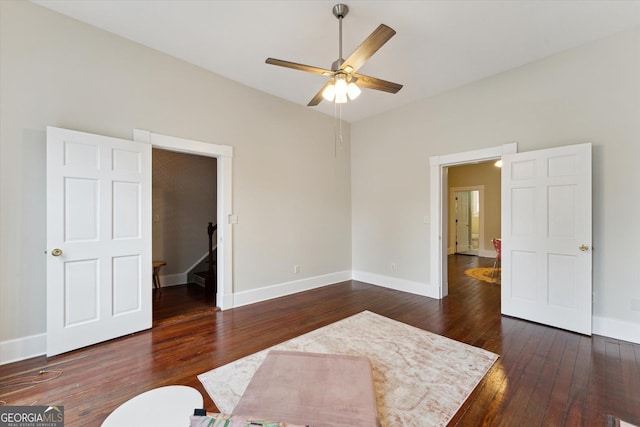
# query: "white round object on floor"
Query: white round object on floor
{"points": [[169, 406]]}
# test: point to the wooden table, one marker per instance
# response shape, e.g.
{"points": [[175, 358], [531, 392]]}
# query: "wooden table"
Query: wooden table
{"points": [[157, 265]]}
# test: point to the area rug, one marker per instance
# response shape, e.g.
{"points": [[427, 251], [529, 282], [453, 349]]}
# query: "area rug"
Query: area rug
{"points": [[484, 274], [613, 421], [420, 378]]}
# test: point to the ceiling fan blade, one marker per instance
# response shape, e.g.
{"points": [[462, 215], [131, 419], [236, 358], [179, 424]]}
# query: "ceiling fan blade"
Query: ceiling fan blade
{"points": [[316, 99], [301, 67], [367, 48], [377, 84]]}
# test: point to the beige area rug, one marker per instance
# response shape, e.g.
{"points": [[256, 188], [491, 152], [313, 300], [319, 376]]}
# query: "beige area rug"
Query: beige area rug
{"points": [[484, 274], [617, 422], [420, 378]]}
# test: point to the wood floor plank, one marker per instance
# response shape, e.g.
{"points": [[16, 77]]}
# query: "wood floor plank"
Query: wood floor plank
{"points": [[544, 376]]}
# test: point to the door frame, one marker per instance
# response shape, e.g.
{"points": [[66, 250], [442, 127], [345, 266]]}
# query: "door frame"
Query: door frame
{"points": [[468, 189], [224, 235], [439, 206]]}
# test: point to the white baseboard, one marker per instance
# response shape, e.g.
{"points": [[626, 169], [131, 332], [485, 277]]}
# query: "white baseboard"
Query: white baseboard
{"points": [[36, 345], [173, 279], [22, 348], [618, 329], [182, 278], [417, 288], [288, 288], [224, 301], [484, 253]]}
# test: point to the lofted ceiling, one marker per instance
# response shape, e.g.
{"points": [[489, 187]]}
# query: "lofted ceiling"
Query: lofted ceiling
{"points": [[439, 45]]}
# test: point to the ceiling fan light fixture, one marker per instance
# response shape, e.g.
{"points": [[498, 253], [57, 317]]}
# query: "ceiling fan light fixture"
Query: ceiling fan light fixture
{"points": [[337, 90], [353, 91], [329, 93], [340, 82], [341, 98]]}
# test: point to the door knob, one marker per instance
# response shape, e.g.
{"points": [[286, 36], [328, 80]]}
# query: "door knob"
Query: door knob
{"points": [[56, 252], [584, 248]]}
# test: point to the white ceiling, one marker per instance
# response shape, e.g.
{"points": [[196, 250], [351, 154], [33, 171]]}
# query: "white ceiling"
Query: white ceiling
{"points": [[439, 45]]}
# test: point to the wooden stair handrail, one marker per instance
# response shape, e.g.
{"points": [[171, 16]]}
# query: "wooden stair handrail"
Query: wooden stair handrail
{"points": [[210, 283]]}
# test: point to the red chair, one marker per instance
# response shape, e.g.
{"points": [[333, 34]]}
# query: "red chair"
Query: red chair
{"points": [[497, 245]]}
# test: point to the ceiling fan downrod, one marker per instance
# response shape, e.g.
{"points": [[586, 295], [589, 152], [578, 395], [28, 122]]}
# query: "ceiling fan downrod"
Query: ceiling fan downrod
{"points": [[339, 11]]}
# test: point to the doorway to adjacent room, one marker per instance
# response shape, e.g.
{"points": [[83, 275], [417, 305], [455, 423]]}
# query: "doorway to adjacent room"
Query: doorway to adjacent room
{"points": [[467, 220]]}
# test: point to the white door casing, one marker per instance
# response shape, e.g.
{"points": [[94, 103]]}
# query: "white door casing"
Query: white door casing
{"points": [[547, 237], [224, 236], [439, 286], [99, 218]]}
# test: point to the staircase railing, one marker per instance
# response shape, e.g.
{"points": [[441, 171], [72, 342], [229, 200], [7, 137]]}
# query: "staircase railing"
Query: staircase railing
{"points": [[210, 284]]}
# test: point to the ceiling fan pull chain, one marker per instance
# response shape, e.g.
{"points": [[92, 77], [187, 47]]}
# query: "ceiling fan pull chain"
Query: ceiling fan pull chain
{"points": [[337, 128], [335, 131]]}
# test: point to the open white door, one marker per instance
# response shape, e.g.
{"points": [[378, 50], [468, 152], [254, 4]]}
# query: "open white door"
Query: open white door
{"points": [[99, 266], [546, 237]]}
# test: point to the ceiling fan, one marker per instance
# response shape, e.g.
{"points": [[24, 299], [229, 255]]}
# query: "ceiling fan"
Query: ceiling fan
{"points": [[345, 82]]}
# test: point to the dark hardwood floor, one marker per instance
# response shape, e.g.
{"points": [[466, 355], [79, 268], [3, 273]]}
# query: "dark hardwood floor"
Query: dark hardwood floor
{"points": [[544, 376], [177, 302]]}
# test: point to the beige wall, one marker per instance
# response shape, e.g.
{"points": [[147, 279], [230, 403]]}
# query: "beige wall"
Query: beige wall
{"points": [[183, 204], [587, 94], [290, 189], [487, 175]]}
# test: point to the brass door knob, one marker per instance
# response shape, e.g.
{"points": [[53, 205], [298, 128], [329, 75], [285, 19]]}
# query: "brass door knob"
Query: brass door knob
{"points": [[56, 252], [584, 248]]}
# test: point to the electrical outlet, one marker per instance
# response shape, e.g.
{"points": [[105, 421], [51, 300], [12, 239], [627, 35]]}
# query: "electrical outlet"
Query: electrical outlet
{"points": [[393, 266], [635, 304], [296, 269]]}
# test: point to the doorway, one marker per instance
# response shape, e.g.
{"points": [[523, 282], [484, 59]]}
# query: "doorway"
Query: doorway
{"points": [[224, 213], [547, 200], [184, 197], [466, 220], [439, 207]]}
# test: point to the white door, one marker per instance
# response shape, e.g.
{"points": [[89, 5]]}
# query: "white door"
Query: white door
{"points": [[463, 221], [99, 265], [546, 237]]}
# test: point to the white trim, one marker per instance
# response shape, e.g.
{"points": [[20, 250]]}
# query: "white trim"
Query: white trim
{"points": [[23, 348], [288, 288], [35, 345], [438, 207], [224, 155], [618, 329], [181, 278], [173, 279], [417, 288], [482, 254], [487, 253], [195, 264]]}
